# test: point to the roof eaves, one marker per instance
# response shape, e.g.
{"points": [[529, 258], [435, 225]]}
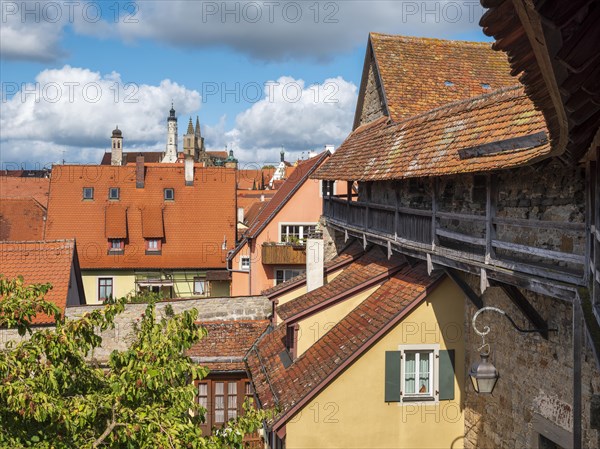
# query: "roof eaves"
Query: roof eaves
{"points": [[281, 421]]}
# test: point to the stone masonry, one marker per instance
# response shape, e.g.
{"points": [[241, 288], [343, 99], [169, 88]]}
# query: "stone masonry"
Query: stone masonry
{"points": [[209, 309]]}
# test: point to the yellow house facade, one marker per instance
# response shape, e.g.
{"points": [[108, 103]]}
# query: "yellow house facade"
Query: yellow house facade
{"points": [[380, 366]]}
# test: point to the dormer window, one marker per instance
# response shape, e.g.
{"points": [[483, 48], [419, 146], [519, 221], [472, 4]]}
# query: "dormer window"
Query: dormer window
{"points": [[448, 83], [169, 195], [486, 86], [116, 246], [88, 193], [154, 246], [113, 193]]}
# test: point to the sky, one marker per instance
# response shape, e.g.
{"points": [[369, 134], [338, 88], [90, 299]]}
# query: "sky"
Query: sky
{"points": [[262, 76]]}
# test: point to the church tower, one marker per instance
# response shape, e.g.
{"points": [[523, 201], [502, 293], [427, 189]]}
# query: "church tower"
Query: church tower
{"points": [[189, 141], [171, 153], [116, 152]]}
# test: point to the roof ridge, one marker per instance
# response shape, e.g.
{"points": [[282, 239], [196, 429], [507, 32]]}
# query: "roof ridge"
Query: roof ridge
{"points": [[455, 42]]}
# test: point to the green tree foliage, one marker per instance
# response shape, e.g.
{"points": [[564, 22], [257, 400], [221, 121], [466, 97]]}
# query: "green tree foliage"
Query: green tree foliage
{"points": [[51, 397]]}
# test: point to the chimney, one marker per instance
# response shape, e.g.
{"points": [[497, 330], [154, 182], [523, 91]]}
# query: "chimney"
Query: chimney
{"points": [[139, 172], [189, 170], [262, 197], [240, 215], [330, 148], [315, 252]]}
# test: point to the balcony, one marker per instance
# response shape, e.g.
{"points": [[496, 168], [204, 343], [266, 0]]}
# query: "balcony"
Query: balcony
{"points": [[511, 250], [283, 254]]}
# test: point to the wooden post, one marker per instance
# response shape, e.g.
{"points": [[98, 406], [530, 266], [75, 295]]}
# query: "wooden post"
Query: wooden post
{"points": [[368, 192], [577, 337], [397, 212], [589, 237], [348, 200], [596, 240], [490, 214], [434, 207]]}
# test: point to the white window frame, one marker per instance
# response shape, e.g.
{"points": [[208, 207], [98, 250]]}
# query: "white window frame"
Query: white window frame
{"points": [[242, 267], [302, 271], [202, 281], [90, 190], [420, 398], [286, 223], [114, 198], [98, 287]]}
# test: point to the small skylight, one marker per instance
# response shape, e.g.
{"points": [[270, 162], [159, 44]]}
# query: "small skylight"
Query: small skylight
{"points": [[448, 83], [486, 86]]}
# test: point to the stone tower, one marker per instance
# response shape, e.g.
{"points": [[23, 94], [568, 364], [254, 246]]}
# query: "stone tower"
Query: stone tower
{"points": [[190, 145], [116, 157], [171, 153]]}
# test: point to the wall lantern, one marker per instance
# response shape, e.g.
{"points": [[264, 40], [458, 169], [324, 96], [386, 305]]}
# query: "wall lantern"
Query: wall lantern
{"points": [[483, 373]]}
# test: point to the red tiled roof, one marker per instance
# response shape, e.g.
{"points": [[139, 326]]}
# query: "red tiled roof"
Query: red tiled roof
{"points": [[116, 222], [227, 342], [129, 157], [286, 388], [433, 144], [285, 192], [218, 154], [152, 222], [15, 187], [41, 263], [372, 265], [21, 219], [415, 71], [196, 223], [254, 211], [346, 256]]}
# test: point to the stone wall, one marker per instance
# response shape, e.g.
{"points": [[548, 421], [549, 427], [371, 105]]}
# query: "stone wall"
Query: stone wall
{"points": [[372, 107], [536, 376], [209, 309]]}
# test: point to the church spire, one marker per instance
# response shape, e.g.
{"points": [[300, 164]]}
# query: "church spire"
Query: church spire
{"points": [[198, 134], [190, 129]]}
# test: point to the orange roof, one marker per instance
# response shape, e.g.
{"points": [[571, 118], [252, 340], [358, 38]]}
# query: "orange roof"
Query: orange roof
{"points": [[21, 219], [254, 179], [40, 263], [195, 223], [302, 172], [491, 132], [247, 198], [14, 187], [419, 74], [116, 222], [227, 342]]}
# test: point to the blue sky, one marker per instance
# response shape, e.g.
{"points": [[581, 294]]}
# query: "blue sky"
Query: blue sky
{"points": [[155, 51]]}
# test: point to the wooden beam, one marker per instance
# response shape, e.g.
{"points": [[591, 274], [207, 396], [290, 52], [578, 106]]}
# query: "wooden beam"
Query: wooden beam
{"points": [[460, 237], [490, 214], [467, 290], [577, 346], [434, 207], [544, 253], [515, 143], [540, 224], [525, 307]]}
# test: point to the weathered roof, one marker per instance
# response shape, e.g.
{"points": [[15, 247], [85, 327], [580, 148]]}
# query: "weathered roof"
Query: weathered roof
{"points": [[21, 219], [227, 342], [553, 47], [17, 187], [290, 388], [40, 263], [129, 157], [474, 135], [373, 266], [416, 72], [194, 224], [351, 252]]}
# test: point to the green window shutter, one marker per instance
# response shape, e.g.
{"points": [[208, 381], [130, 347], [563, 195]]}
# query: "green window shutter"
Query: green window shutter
{"points": [[446, 375], [392, 376]]}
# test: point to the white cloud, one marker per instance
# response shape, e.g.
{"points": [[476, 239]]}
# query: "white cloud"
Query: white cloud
{"points": [[292, 115], [74, 107], [265, 30]]}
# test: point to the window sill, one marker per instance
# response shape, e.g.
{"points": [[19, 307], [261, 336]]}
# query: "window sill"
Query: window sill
{"points": [[116, 252], [418, 399], [150, 252]]}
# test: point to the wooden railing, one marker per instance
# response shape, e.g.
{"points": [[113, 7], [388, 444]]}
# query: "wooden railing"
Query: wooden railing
{"points": [[440, 237], [283, 254]]}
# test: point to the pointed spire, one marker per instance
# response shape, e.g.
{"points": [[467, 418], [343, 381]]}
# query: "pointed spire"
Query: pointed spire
{"points": [[190, 129], [198, 134]]}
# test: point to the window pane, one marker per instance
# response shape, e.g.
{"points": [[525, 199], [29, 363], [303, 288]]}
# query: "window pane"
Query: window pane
{"points": [[409, 373], [232, 388], [424, 372], [219, 388], [248, 391]]}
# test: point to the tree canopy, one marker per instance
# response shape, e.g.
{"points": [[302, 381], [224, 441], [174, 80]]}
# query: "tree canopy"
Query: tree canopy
{"points": [[144, 397]]}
